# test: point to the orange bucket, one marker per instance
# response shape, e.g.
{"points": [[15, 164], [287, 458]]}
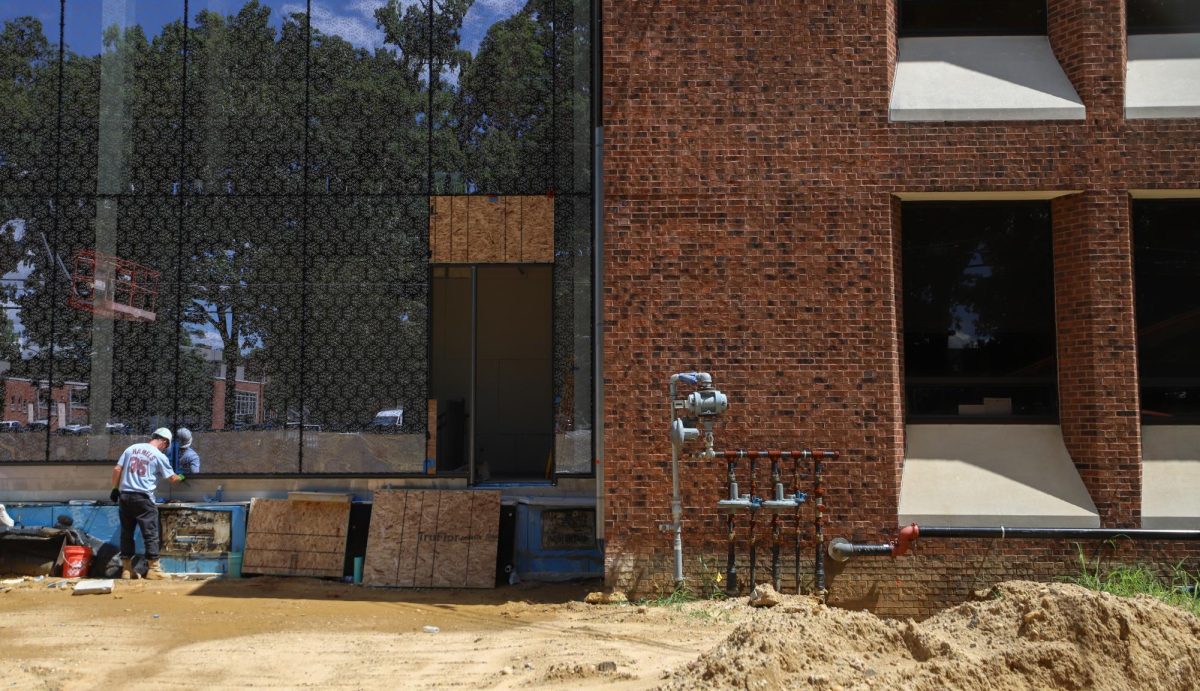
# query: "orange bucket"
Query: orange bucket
{"points": [[77, 561]]}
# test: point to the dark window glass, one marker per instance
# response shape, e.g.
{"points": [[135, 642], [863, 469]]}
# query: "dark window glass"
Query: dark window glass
{"points": [[1162, 16], [972, 17], [978, 311], [1166, 264], [272, 172]]}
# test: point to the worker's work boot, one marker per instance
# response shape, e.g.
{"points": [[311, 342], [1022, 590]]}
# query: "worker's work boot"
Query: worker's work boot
{"points": [[127, 572], [154, 571]]}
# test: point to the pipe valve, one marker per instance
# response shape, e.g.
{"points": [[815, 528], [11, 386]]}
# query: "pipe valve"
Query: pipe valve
{"points": [[706, 402]]}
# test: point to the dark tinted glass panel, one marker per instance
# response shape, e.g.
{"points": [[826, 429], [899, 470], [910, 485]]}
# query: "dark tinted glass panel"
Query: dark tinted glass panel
{"points": [[493, 127], [1167, 263], [30, 285], [262, 177], [243, 293], [1162, 16], [113, 360], [122, 89], [368, 132], [366, 336], [245, 97], [978, 311], [972, 17], [28, 97]]}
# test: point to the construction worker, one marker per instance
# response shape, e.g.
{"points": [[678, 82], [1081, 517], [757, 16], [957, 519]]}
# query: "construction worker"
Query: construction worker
{"points": [[134, 479], [184, 458]]}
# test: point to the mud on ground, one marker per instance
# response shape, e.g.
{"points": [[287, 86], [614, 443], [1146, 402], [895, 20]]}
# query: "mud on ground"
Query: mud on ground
{"points": [[296, 633]]}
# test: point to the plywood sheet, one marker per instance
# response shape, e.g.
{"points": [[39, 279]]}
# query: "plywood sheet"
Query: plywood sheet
{"points": [[512, 229], [433, 538], [460, 220], [486, 230], [537, 229], [439, 229], [296, 538], [508, 229]]}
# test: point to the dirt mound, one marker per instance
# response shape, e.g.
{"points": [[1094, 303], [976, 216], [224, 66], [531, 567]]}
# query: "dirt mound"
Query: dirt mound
{"points": [[1023, 636]]}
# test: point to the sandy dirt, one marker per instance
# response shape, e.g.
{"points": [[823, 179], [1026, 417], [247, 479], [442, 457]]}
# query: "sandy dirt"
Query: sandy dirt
{"points": [[297, 633]]}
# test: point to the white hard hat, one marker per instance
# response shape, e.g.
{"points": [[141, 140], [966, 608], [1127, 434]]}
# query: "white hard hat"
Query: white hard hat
{"points": [[162, 432]]}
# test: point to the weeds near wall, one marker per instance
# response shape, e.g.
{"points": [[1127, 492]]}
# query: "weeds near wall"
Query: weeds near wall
{"points": [[1179, 587]]}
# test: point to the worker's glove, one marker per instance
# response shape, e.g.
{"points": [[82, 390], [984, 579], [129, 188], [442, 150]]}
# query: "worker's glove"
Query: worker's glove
{"points": [[181, 477], [114, 496]]}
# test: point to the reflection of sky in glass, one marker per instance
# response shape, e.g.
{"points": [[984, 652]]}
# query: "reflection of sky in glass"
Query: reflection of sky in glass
{"points": [[964, 321], [353, 20]]}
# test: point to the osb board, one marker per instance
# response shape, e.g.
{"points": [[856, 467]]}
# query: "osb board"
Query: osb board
{"points": [[486, 230], [296, 538], [477, 229], [537, 229], [460, 222], [433, 539], [439, 229]]}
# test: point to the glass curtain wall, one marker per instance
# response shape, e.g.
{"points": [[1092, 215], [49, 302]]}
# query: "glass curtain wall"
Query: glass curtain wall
{"points": [[215, 214]]}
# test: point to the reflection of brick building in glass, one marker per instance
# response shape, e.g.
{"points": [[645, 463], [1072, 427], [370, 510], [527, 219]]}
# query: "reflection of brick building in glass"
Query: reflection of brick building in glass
{"points": [[247, 399], [26, 402]]}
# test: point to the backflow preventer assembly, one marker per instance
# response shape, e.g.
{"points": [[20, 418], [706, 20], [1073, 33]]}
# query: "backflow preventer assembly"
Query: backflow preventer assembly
{"points": [[693, 417]]}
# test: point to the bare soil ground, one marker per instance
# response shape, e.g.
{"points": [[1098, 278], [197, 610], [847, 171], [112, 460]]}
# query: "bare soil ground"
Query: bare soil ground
{"points": [[296, 633]]}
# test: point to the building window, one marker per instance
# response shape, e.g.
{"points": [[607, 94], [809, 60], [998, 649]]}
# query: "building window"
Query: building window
{"points": [[959, 18], [1166, 264], [245, 406], [1162, 16], [979, 338]]}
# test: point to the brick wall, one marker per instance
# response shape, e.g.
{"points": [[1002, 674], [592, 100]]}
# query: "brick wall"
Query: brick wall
{"points": [[751, 231]]}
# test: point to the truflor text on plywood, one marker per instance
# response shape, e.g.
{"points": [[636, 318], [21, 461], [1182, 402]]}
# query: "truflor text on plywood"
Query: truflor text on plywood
{"points": [[433, 539]]}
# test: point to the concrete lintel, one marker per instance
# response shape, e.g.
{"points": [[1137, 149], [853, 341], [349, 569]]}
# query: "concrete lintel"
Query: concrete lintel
{"points": [[991, 114], [1162, 76], [1171, 476], [983, 195], [988, 475], [981, 78], [1164, 194]]}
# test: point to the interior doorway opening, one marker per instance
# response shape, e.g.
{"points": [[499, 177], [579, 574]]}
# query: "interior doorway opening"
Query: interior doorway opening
{"points": [[493, 371]]}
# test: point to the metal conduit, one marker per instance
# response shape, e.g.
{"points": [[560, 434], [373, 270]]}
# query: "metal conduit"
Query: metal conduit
{"points": [[842, 549]]}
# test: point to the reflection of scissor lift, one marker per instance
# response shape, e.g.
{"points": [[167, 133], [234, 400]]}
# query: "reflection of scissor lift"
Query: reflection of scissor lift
{"points": [[112, 287]]}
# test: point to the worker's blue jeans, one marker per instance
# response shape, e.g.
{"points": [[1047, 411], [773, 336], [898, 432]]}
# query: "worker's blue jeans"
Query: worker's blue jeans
{"points": [[138, 510]]}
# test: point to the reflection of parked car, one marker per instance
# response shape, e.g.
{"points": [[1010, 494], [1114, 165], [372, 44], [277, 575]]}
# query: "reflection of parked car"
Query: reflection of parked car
{"points": [[11, 426], [388, 420], [38, 425], [117, 428], [75, 429]]}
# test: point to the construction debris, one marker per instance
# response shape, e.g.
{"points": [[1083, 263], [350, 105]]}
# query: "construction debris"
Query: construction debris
{"points": [[94, 586], [763, 595]]}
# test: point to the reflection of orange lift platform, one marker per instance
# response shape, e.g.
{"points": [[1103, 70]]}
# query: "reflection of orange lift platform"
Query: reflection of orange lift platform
{"points": [[113, 287]]}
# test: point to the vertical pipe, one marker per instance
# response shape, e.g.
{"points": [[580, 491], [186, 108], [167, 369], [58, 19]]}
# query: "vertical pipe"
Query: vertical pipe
{"points": [[676, 507], [819, 521], [472, 476], [753, 515], [777, 480], [796, 489], [731, 560]]}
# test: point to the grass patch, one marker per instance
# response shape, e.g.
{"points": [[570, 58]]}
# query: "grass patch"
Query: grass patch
{"points": [[1178, 588], [676, 598]]}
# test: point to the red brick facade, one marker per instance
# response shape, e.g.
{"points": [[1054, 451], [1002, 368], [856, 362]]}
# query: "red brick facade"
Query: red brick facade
{"points": [[751, 230]]}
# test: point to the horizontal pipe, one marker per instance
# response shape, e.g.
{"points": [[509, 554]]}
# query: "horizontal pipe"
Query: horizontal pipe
{"points": [[776, 453], [1058, 533], [842, 549]]}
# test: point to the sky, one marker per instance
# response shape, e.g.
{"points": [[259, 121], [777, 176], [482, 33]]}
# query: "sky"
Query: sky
{"points": [[353, 20]]}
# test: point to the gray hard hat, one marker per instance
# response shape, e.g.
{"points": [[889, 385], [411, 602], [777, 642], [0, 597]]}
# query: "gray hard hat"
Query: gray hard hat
{"points": [[184, 435]]}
